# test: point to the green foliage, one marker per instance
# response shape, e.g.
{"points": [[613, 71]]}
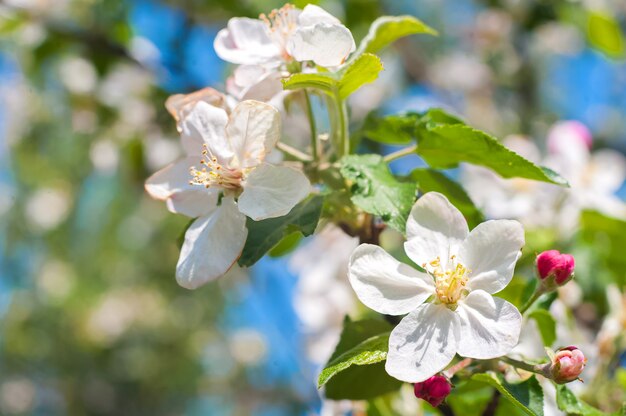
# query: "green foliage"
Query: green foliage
{"points": [[607, 237], [430, 180], [387, 29], [444, 141], [546, 325], [363, 376], [394, 129], [376, 191], [446, 145], [371, 351], [569, 403], [526, 396], [605, 34], [265, 234], [286, 245], [361, 71]]}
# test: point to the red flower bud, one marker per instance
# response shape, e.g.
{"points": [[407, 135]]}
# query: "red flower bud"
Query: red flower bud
{"points": [[554, 268], [434, 390], [567, 364]]}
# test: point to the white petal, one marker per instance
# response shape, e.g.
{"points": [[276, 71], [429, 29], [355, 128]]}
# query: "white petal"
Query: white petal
{"points": [[171, 179], [325, 44], [490, 326], [272, 191], [193, 203], [490, 252], [423, 343], [435, 228], [246, 41], [172, 185], [213, 243], [253, 130], [386, 285], [207, 124], [312, 14]]}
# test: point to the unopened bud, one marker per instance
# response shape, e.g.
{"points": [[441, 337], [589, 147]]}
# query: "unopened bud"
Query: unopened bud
{"points": [[434, 390], [567, 364], [555, 269]]}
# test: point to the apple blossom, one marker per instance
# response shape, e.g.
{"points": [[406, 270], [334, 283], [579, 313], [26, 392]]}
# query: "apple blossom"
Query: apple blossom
{"points": [[449, 304], [223, 179], [286, 34]]}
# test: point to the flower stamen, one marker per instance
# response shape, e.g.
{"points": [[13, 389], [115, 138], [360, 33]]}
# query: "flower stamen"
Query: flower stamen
{"points": [[214, 174]]}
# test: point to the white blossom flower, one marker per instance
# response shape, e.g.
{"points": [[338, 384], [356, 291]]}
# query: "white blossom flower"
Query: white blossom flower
{"points": [[223, 179], [311, 34], [450, 307]]}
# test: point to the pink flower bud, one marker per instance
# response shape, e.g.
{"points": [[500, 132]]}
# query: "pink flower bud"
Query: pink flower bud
{"points": [[568, 133], [434, 390], [567, 365], [554, 268]]}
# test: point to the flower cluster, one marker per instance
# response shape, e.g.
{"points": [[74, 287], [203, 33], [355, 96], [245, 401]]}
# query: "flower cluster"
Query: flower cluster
{"points": [[445, 293]]}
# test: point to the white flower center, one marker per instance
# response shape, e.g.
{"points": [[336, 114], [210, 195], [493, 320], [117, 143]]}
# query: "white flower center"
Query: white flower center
{"points": [[214, 174], [280, 24], [450, 283]]}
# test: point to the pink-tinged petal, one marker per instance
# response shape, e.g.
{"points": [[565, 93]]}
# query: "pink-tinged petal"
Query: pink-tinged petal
{"points": [[435, 228], [423, 343], [327, 45], [489, 326], [246, 41], [272, 191], [490, 252], [253, 130], [213, 243], [386, 285], [207, 124], [180, 105]]}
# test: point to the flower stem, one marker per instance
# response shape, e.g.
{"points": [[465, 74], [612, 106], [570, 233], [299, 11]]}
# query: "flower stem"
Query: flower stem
{"points": [[311, 117], [344, 134], [293, 152], [400, 153], [532, 300], [533, 368]]}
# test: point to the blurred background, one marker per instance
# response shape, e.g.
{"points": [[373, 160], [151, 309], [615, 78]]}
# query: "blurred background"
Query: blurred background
{"points": [[92, 320]]}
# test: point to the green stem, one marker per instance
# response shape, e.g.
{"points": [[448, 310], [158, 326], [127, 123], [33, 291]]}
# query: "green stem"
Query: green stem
{"points": [[311, 117], [400, 153], [533, 368], [344, 134], [293, 152], [532, 300]]}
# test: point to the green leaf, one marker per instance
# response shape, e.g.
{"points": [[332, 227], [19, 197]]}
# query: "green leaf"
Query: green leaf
{"points": [[546, 325], [429, 180], [371, 351], [361, 71], [365, 381], [444, 146], [605, 34], [265, 234], [286, 245], [376, 191], [607, 236], [526, 396], [394, 129], [325, 81], [569, 403], [387, 29]]}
